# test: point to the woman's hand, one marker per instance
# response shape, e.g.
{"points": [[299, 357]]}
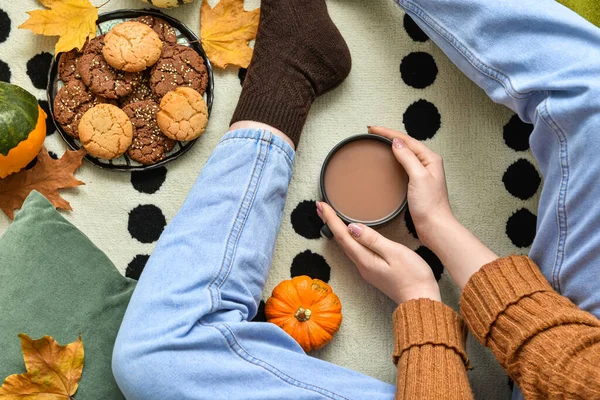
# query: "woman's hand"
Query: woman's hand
{"points": [[458, 249], [427, 191], [391, 267]]}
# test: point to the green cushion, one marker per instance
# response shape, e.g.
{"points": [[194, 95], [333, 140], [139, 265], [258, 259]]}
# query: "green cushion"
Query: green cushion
{"points": [[55, 281], [589, 9]]}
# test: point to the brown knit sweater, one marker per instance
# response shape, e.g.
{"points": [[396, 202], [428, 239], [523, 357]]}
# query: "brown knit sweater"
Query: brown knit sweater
{"points": [[544, 342]]}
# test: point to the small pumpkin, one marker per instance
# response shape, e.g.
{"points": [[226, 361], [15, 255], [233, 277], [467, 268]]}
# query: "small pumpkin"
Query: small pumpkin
{"points": [[167, 3], [307, 309], [22, 128]]}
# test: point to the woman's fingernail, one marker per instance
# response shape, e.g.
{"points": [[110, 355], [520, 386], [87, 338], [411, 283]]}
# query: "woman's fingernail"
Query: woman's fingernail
{"points": [[319, 207], [399, 143], [355, 230], [368, 126]]}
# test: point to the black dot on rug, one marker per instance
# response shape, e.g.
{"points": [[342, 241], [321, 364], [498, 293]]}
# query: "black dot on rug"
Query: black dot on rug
{"points": [[311, 264], [4, 72], [520, 228], [50, 128], [31, 164], [521, 179], [260, 313], [418, 70], [306, 221], [242, 75], [413, 30], [146, 223], [517, 133], [136, 266], [422, 120], [433, 261], [410, 225], [37, 69], [149, 181], [4, 25]]}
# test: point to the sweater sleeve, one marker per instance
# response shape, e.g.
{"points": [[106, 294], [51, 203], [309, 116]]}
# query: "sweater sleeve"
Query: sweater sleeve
{"points": [[429, 352], [545, 343]]}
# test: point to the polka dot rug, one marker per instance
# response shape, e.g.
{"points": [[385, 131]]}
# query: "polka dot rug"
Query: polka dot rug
{"points": [[400, 79]]}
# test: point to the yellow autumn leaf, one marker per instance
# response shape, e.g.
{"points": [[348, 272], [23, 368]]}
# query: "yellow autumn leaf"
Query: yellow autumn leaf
{"points": [[53, 371], [74, 21], [226, 31]]}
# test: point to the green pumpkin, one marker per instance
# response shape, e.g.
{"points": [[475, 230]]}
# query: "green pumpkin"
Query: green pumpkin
{"points": [[18, 116]]}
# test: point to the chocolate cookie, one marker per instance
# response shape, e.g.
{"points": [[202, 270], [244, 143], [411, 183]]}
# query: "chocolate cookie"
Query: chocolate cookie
{"points": [[67, 66], [141, 92], [165, 32], [132, 47], [105, 131], [178, 65], [71, 102], [149, 145], [101, 78]]}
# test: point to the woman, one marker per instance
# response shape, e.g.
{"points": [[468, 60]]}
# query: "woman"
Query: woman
{"points": [[186, 333]]}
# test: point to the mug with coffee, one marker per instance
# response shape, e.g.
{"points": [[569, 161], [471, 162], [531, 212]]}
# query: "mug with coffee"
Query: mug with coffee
{"points": [[363, 182]]}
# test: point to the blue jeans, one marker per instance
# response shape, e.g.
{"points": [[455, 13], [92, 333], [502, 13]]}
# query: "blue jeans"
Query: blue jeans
{"points": [[186, 333]]}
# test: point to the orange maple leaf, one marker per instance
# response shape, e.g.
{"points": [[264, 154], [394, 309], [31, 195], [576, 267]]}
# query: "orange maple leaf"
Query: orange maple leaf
{"points": [[47, 176], [53, 371], [226, 31]]}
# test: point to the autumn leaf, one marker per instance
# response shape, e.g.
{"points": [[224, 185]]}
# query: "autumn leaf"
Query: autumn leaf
{"points": [[53, 371], [226, 31], [47, 176], [73, 20]]}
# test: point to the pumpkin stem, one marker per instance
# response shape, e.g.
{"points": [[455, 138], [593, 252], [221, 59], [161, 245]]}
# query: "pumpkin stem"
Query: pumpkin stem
{"points": [[302, 314]]}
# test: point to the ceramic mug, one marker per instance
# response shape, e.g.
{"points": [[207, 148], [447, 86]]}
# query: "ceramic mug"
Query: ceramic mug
{"points": [[325, 231]]}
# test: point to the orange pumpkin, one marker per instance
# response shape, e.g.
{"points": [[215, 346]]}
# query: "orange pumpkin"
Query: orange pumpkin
{"points": [[307, 309], [22, 128]]}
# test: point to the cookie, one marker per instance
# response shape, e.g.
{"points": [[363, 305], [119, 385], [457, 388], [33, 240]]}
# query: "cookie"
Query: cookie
{"points": [[67, 66], [149, 144], [165, 32], [70, 103], [178, 65], [132, 47], [141, 92], [105, 131], [101, 78], [183, 114]]}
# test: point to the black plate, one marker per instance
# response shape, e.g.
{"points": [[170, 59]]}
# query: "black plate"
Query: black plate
{"points": [[124, 163]]}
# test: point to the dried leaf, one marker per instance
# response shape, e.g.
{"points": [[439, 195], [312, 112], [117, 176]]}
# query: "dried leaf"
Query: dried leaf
{"points": [[226, 31], [73, 20], [47, 176], [53, 371]]}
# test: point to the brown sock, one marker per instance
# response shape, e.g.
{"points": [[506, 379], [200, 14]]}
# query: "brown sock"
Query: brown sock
{"points": [[299, 55]]}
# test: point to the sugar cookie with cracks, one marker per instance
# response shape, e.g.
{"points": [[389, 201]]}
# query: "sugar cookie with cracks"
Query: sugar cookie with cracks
{"points": [[132, 47], [183, 114], [105, 131]]}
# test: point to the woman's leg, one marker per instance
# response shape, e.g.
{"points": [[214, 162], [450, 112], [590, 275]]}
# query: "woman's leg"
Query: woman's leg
{"points": [[186, 333], [541, 60]]}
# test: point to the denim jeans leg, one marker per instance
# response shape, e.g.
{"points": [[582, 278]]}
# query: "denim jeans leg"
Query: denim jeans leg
{"points": [[186, 333], [540, 59]]}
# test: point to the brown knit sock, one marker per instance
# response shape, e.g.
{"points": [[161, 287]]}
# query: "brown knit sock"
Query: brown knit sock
{"points": [[299, 55]]}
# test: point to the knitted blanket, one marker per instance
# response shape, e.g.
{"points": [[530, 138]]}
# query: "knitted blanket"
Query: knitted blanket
{"points": [[400, 79]]}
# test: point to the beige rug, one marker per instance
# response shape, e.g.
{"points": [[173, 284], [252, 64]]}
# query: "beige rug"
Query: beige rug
{"points": [[124, 214]]}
